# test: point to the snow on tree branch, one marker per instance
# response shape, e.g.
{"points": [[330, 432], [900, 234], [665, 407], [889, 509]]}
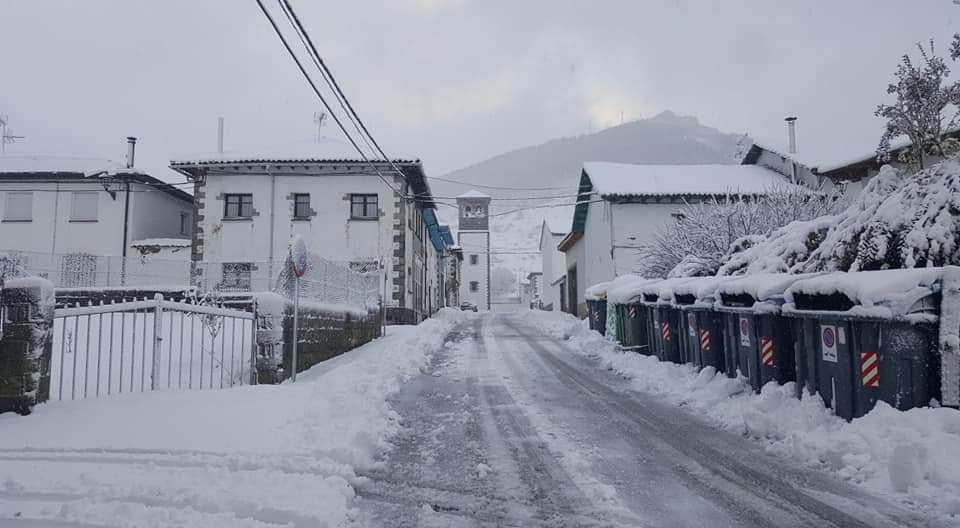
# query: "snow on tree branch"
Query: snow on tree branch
{"points": [[704, 236], [924, 98]]}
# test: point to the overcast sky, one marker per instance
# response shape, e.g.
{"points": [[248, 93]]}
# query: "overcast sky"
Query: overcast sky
{"points": [[449, 81]]}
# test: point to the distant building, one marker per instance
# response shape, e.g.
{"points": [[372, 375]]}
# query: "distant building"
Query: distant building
{"points": [[553, 267], [535, 280], [249, 206], [621, 206], [74, 220], [474, 239], [851, 171]]}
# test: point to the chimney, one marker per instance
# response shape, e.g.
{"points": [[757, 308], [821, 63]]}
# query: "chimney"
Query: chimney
{"points": [[131, 149], [792, 131], [219, 135]]}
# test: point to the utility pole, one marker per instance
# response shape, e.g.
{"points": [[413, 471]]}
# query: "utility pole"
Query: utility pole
{"points": [[319, 118]]}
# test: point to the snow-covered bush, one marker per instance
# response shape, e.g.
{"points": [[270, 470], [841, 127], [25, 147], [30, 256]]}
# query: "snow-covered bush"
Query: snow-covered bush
{"points": [[706, 235], [898, 221]]}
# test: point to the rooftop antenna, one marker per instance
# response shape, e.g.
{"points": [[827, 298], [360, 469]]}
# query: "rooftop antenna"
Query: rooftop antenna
{"points": [[6, 135], [219, 135], [319, 118]]}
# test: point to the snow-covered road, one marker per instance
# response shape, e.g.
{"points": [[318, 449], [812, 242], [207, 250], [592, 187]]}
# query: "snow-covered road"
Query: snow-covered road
{"points": [[507, 427]]}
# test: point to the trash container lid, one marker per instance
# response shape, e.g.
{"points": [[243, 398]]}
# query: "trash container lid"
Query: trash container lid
{"points": [[698, 292], [760, 292], [662, 292], [626, 289], [903, 294]]}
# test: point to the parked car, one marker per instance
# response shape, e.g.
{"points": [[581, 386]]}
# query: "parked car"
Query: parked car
{"points": [[468, 306]]}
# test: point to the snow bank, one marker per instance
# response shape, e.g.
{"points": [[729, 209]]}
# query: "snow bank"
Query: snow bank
{"points": [[910, 457], [292, 447]]}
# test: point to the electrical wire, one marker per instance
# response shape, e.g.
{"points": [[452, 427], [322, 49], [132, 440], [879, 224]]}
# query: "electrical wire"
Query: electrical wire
{"points": [[495, 187], [332, 82], [319, 95]]}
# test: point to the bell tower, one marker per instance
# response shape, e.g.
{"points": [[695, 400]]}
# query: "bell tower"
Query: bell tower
{"points": [[473, 235]]}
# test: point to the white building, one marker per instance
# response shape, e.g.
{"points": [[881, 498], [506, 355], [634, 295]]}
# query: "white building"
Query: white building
{"points": [[473, 234], [249, 207], [553, 266], [622, 206], [74, 220]]}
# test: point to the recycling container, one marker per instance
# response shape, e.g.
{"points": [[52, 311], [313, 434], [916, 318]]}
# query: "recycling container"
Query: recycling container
{"points": [[761, 341], [857, 354], [635, 324], [597, 312]]}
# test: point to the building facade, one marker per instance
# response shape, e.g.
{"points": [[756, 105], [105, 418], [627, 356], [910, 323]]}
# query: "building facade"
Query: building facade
{"points": [[76, 221], [622, 206], [474, 239], [365, 214], [553, 267]]}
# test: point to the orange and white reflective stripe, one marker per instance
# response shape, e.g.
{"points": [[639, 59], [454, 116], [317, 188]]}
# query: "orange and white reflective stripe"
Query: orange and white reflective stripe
{"points": [[705, 340], [870, 369], [766, 351], [666, 331]]}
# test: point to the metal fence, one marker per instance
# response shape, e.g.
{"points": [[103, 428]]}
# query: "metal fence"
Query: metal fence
{"points": [[355, 284], [150, 345]]}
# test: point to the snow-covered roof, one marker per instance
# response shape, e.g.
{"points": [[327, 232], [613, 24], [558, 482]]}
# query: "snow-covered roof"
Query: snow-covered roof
{"points": [[162, 242], [620, 179], [883, 294], [473, 194], [57, 164], [325, 150]]}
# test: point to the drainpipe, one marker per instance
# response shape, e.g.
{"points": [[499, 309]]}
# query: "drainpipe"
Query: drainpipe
{"points": [[273, 199], [131, 151]]}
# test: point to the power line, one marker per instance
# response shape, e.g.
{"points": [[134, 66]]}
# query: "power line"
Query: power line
{"points": [[332, 82], [316, 91]]}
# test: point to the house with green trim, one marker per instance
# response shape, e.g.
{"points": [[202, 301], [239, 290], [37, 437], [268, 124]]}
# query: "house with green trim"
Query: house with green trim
{"points": [[620, 207]]}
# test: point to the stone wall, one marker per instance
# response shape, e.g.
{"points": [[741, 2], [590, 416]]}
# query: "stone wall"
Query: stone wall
{"points": [[26, 343]]}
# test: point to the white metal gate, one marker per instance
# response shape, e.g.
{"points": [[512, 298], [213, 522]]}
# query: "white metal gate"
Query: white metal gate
{"points": [[150, 345]]}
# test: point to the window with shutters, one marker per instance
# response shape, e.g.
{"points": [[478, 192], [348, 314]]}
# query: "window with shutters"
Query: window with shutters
{"points": [[18, 207]]}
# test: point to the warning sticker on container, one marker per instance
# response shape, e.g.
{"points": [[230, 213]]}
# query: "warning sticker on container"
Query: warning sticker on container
{"points": [[828, 342], [744, 332], [841, 335], [692, 324]]}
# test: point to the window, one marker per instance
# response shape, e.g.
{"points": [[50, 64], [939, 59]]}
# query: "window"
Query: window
{"points": [[363, 206], [83, 206], [19, 207], [238, 206], [474, 260], [301, 205], [474, 286], [236, 276], [184, 223]]}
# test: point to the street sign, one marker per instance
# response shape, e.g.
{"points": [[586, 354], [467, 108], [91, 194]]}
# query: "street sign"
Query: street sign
{"points": [[298, 256]]}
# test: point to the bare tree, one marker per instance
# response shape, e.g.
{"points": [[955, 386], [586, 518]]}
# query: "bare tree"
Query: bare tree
{"points": [[704, 235], [923, 101]]}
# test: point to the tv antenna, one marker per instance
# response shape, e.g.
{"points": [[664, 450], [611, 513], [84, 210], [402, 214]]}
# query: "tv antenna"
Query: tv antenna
{"points": [[6, 135], [319, 118]]}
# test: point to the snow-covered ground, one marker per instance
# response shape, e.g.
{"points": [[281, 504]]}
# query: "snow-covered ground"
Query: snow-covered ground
{"points": [[246, 456], [910, 457]]}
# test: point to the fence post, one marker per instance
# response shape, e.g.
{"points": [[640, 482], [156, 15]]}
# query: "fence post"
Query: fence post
{"points": [[27, 344], [157, 339], [253, 343]]}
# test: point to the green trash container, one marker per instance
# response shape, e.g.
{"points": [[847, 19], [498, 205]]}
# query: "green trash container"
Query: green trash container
{"points": [[701, 327], [869, 336]]}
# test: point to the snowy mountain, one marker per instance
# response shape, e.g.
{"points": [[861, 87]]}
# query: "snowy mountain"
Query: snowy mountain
{"points": [[548, 174]]}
